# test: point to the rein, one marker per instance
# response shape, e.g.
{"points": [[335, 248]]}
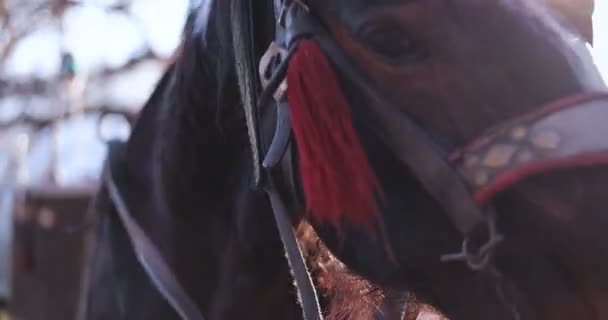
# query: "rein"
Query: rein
{"points": [[242, 24], [146, 252]]}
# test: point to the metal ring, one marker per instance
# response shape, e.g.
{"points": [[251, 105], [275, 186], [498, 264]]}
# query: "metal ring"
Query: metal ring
{"points": [[287, 4], [479, 260]]}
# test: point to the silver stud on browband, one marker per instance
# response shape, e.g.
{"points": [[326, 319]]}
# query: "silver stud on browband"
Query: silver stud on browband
{"points": [[499, 156], [546, 140], [519, 133]]}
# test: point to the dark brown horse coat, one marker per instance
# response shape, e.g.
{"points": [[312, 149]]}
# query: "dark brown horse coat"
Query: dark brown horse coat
{"points": [[188, 167], [458, 68]]}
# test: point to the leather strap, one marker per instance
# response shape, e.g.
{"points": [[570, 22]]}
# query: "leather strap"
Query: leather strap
{"points": [[569, 133], [242, 26], [411, 144], [146, 252], [307, 294], [241, 19]]}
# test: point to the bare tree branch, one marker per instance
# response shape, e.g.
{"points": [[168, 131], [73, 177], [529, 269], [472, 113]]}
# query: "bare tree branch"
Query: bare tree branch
{"points": [[16, 34], [40, 87], [41, 12], [44, 12], [3, 11]]}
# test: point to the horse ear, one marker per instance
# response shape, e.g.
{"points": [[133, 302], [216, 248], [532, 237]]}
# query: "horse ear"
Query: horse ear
{"points": [[578, 13]]}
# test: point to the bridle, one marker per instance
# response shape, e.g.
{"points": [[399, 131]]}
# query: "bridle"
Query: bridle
{"points": [[295, 22], [414, 147], [267, 156], [463, 183]]}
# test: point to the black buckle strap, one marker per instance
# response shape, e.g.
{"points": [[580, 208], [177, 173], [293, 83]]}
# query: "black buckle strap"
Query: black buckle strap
{"points": [[274, 86], [307, 294], [286, 6], [273, 70]]}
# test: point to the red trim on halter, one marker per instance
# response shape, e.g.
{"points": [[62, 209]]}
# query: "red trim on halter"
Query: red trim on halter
{"points": [[556, 106], [510, 178], [504, 182], [338, 181]]}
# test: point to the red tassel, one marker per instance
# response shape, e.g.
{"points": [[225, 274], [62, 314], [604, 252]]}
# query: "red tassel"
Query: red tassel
{"points": [[338, 181]]}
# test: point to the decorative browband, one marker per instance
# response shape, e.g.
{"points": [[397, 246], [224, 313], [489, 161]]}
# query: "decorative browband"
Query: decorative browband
{"points": [[567, 134]]}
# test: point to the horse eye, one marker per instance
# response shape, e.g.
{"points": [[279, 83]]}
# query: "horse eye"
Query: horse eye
{"points": [[392, 43]]}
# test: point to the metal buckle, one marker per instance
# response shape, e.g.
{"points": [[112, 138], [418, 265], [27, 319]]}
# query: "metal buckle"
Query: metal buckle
{"points": [[287, 5], [481, 259], [272, 58]]}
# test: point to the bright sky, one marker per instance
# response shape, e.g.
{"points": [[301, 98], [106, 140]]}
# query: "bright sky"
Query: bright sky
{"points": [[600, 26], [89, 33], [97, 38]]}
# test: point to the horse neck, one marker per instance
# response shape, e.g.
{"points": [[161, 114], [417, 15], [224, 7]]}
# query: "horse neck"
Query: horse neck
{"points": [[221, 234]]}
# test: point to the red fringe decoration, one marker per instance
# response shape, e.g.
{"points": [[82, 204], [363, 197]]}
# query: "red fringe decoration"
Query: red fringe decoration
{"points": [[338, 181]]}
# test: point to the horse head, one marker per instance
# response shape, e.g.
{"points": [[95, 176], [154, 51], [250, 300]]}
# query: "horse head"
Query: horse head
{"points": [[424, 128]]}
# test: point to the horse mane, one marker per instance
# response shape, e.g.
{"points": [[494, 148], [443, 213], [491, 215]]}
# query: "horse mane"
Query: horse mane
{"points": [[201, 129]]}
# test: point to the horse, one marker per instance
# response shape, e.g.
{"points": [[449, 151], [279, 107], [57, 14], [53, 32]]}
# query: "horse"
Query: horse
{"points": [[212, 229], [405, 159], [425, 128]]}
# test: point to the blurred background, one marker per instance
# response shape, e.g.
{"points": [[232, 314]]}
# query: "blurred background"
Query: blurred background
{"points": [[72, 72]]}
